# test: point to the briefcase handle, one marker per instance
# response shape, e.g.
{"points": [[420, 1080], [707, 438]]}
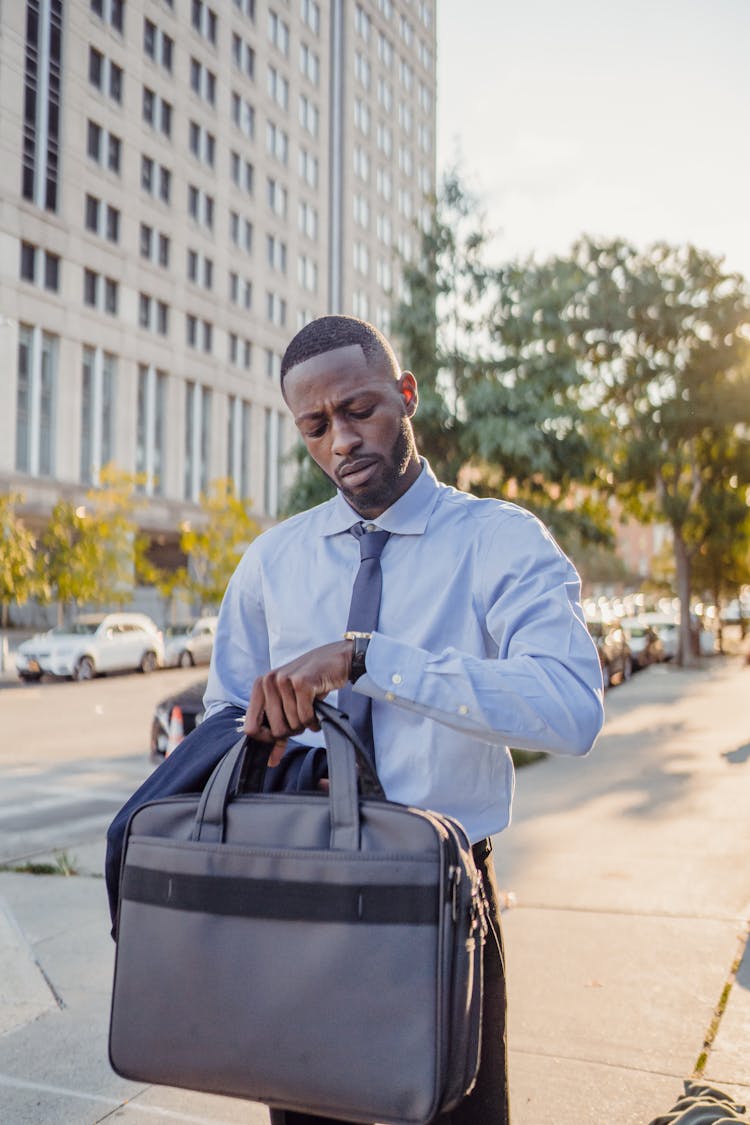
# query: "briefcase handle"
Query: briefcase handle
{"points": [[346, 756]]}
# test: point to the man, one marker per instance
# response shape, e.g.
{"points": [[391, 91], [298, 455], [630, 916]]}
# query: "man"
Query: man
{"points": [[480, 642]]}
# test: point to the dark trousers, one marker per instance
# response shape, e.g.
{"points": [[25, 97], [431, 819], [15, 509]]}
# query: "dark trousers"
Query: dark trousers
{"points": [[487, 1104]]}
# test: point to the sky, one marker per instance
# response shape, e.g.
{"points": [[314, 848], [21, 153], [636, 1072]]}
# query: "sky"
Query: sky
{"points": [[625, 118]]}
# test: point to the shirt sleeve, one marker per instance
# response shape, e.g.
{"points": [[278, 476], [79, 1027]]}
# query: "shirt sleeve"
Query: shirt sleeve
{"points": [[539, 686], [240, 651]]}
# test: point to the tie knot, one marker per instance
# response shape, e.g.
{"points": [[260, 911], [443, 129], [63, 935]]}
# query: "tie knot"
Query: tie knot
{"points": [[371, 543]]}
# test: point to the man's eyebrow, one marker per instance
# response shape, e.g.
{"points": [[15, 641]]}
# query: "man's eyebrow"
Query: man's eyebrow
{"points": [[343, 405]]}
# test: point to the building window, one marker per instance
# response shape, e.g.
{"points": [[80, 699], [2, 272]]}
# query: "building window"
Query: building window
{"points": [[362, 69], [243, 56], [98, 388], [278, 88], [204, 20], [42, 100], [105, 75], [276, 253], [239, 418], [202, 143], [151, 433], [203, 82], [199, 333], [362, 23], [111, 12], [309, 118], [309, 64], [197, 439], [100, 292], [241, 232], [153, 314], [240, 291], [158, 45], [277, 142], [308, 168], [154, 246], [36, 401], [40, 267], [241, 172], [308, 220], [276, 309], [243, 115], [278, 32], [307, 273], [156, 179], [157, 112], [103, 147], [310, 12], [246, 8], [200, 269], [277, 198], [201, 207]]}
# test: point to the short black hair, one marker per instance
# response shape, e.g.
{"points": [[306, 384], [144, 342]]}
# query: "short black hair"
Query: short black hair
{"points": [[329, 332]]}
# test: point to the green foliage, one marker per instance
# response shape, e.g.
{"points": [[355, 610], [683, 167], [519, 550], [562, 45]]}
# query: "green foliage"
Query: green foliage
{"points": [[86, 554], [310, 485], [216, 544], [17, 576]]}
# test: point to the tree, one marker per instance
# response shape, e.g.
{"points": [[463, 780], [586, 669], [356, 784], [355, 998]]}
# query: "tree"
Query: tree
{"points": [[215, 546], [663, 339], [17, 575], [87, 552]]}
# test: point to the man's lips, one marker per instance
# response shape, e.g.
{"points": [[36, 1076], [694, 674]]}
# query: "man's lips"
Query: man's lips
{"points": [[357, 473]]}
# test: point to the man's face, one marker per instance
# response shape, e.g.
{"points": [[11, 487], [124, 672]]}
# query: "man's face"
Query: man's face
{"points": [[355, 422]]}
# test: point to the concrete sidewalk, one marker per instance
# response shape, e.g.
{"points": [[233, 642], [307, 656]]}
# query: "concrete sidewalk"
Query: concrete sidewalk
{"points": [[631, 876]]}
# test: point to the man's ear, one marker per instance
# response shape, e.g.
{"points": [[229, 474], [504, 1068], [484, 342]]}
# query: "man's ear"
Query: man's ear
{"points": [[407, 386]]}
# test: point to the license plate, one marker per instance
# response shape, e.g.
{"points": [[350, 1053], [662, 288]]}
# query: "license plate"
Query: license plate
{"points": [[34, 666]]}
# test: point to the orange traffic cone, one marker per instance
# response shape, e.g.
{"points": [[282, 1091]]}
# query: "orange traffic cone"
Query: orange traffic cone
{"points": [[176, 730]]}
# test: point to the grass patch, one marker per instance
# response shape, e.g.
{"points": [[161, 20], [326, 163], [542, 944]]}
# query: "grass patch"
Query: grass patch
{"points": [[713, 1027], [523, 758], [63, 865]]}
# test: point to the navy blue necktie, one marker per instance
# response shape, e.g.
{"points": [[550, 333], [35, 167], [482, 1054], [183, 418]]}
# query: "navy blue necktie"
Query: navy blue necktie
{"points": [[364, 610]]}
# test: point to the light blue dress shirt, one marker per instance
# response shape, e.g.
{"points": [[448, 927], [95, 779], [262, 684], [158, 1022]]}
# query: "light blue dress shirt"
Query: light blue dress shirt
{"points": [[481, 642]]}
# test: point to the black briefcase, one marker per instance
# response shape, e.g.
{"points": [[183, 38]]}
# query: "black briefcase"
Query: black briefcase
{"points": [[318, 952]]}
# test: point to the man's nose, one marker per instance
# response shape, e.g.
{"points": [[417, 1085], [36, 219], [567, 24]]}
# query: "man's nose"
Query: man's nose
{"points": [[345, 437]]}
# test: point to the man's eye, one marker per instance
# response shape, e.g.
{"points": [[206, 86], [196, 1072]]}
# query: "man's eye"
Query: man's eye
{"points": [[316, 431], [364, 413]]}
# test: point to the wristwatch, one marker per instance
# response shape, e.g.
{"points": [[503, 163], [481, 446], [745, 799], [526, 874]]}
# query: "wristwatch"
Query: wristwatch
{"points": [[360, 641]]}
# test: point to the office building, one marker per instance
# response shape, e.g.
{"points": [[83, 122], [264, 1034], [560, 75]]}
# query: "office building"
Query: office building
{"points": [[184, 184]]}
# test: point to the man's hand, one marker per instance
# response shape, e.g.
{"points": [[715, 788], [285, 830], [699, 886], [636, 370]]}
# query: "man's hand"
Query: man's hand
{"points": [[281, 701]]}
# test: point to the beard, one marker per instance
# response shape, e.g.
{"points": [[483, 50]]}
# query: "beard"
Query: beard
{"points": [[387, 484]]}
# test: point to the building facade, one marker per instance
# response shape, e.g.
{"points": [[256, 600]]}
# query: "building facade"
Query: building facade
{"points": [[183, 185]]}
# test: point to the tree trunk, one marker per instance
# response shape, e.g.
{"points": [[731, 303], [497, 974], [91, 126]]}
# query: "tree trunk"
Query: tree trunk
{"points": [[682, 560]]}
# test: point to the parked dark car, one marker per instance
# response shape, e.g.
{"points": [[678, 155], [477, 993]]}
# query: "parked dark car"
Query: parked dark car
{"points": [[614, 652], [190, 703]]}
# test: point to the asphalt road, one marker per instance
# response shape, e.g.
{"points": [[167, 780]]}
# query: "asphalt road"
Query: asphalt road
{"points": [[71, 754]]}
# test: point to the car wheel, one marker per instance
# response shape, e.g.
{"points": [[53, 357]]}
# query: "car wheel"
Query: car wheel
{"points": [[627, 669], [84, 669], [148, 662], [186, 659], [30, 677]]}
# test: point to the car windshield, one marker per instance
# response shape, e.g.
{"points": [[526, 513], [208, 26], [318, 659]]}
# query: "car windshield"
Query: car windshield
{"points": [[76, 629]]}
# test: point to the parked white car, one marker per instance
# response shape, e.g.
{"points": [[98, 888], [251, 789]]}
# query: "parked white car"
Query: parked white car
{"points": [[190, 644], [92, 644]]}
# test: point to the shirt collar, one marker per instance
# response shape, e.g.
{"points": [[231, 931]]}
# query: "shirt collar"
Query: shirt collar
{"points": [[408, 516]]}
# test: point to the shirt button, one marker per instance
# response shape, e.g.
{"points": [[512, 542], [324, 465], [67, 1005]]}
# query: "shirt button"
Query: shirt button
{"points": [[390, 696], [396, 678], [463, 709]]}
